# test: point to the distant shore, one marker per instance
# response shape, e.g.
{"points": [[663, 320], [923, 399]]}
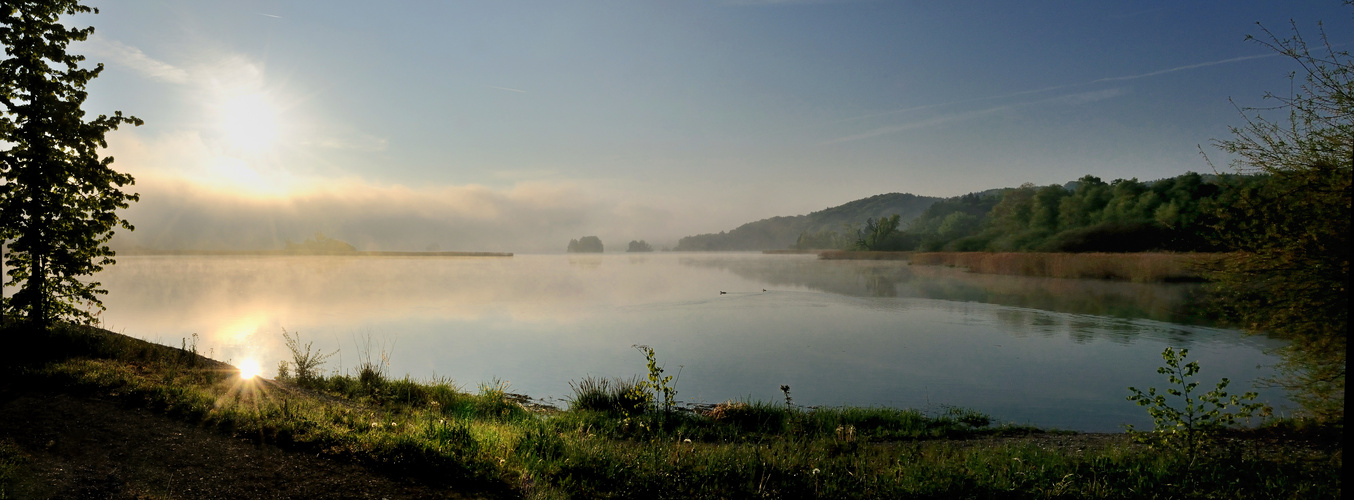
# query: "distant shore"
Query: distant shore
{"points": [[341, 254], [1144, 267]]}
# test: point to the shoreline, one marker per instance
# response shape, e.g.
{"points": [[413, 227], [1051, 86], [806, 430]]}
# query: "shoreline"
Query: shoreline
{"points": [[1141, 267], [127, 417]]}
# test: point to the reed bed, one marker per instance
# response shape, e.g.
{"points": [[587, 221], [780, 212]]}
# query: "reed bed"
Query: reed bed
{"points": [[863, 255], [1135, 267]]}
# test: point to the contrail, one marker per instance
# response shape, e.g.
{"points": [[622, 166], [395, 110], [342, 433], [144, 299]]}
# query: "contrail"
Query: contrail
{"points": [[1058, 87], [509, 89], [1081, 98], [1179, 68]]}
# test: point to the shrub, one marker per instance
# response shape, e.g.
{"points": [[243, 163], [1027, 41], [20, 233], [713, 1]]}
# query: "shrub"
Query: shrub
{"points": [[306, 362], [657, 384], [1192, 422]]}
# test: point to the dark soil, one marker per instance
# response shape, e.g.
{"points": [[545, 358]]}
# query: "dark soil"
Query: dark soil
{"points": [[83, 446]]}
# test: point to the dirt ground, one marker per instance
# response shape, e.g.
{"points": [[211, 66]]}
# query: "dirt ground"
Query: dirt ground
{"points": [[85, 447]]}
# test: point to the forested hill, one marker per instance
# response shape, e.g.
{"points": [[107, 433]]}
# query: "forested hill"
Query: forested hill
{"points": [[784, 232]]}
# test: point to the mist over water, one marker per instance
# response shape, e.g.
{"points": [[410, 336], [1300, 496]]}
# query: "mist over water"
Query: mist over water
{"points": [[1050, 352]]}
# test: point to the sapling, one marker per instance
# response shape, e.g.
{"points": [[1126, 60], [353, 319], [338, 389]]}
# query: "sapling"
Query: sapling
{"points": [[1195, 419]]}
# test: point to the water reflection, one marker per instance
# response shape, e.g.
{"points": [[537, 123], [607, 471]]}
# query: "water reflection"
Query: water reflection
{"points": [[1175, 302], [838, 332]]}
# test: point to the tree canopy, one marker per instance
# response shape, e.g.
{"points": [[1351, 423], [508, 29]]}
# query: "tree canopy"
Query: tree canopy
{"points": [[586, 244], [1290, 276], [58, 195]]}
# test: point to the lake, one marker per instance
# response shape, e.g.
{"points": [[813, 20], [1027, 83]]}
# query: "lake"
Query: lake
{"points": [[1050, 352]]}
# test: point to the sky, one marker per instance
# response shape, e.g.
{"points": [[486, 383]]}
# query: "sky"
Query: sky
{"points": [[518, 125]]}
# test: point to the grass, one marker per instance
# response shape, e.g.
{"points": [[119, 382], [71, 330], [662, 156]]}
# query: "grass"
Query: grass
{"points": [[1135, 267], [12, 461], [603, 446]]}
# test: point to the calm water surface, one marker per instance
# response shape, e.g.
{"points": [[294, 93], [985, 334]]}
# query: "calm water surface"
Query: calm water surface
{"points": [[1045, 351]]}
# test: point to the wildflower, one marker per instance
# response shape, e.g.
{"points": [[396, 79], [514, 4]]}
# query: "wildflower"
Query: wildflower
{"points": [[816, 471], [687, 440]]}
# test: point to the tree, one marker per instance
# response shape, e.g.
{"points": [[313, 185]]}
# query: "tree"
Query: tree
{"points": [[58, 197], [586, 244], [639, 246], [1291, 274], [881, 234]]}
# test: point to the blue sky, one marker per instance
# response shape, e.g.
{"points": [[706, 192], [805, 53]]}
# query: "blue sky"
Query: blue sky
{"points": [[518, 125]]}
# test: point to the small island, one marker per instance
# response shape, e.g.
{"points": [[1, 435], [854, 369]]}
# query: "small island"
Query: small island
{"points": [[586, 244]]}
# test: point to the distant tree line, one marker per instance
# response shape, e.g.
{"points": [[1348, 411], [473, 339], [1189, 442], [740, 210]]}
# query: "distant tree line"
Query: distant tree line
{"points": [[319, 244], [791, 231], [1086, 215], [639, 246]]}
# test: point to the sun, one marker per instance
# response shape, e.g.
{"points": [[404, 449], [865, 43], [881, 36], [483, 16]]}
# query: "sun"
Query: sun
{"points": [[249, 121], [249, 369]]}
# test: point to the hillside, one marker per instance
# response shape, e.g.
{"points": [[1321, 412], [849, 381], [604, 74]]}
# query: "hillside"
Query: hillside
{"points": [[782, 232]]}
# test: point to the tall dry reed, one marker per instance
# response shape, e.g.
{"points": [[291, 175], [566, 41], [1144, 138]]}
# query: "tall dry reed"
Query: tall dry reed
{"points": [[1136, 267]]}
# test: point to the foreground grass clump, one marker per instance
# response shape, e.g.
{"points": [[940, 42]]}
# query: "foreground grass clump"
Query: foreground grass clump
{"points": [[608, 446], [11, 462]]}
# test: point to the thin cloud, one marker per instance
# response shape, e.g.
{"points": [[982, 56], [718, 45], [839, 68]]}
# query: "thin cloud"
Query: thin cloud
{"points": [[1069, 100], [508, 89], [787, 2], [269, 15], [930, 122], [1179, 68], [132, 57], [1083, 97], [1054, 88]]}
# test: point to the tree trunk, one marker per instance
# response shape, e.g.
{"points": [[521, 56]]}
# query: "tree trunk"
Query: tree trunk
{"points": [[2, 283], [37, 281]]}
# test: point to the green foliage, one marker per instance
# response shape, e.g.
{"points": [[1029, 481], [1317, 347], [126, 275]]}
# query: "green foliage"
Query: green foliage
{"points": [[657, 391], [306, 362], [58, 196], [1087, 215], [816, 230], [493, 400], [1290, 277], [12, 464], [586, 244], [615, 396], [1189, 422], [882, 234]]}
